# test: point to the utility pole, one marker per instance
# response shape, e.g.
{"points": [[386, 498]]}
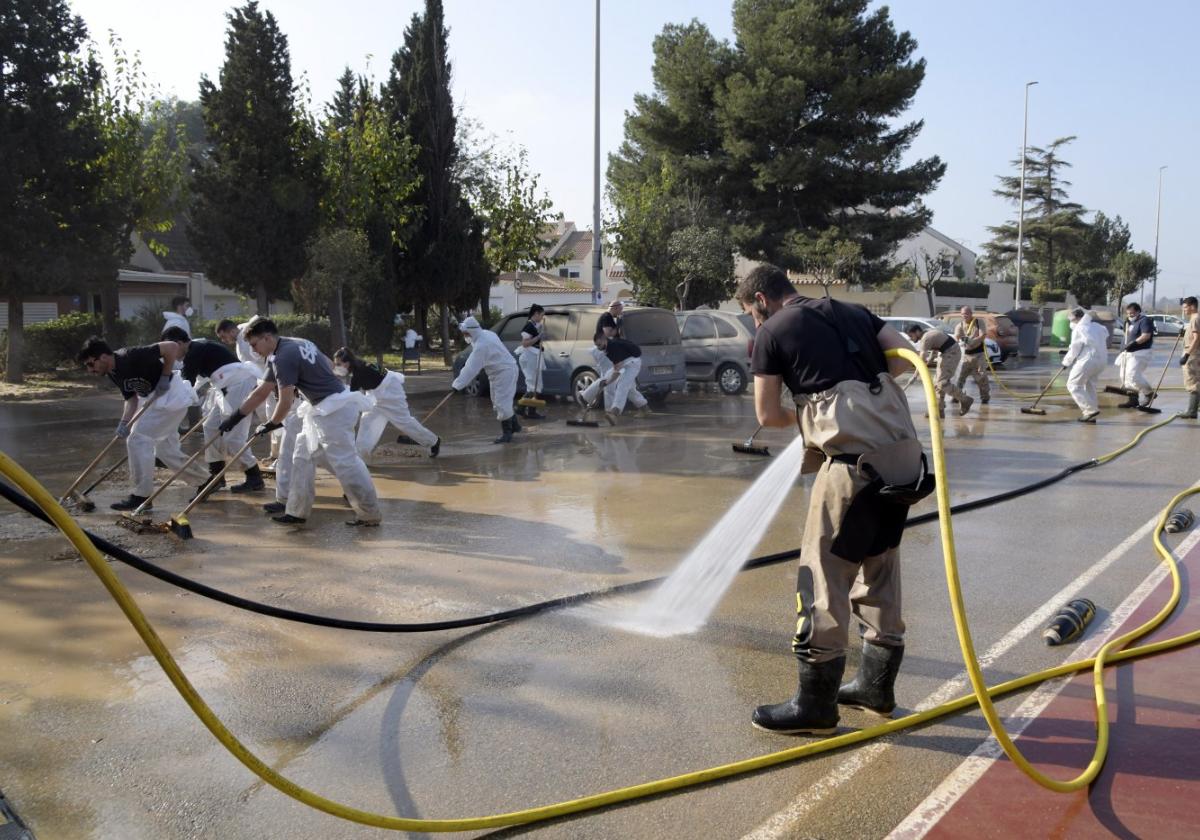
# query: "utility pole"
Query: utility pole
{"points": [[597, 257], [1021, 212], [1157, 223]]}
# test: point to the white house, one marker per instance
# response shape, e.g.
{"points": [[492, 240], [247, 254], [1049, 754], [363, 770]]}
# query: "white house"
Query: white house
{"points": [[934, 242], [515, 290]]}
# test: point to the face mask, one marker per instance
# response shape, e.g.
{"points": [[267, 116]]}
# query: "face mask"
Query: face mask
{"points": [[341, 370], [189, 312], [468, 339]]}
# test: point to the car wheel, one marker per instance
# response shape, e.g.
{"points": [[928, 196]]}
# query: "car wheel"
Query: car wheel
{"points": [[657, 397], [731, 379], [476, 388], [580, 382]]}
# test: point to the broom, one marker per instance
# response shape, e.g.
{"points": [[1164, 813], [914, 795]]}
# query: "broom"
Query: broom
{"points": [[179, 524], [584, 419], [137, 519], [749, 448], [88, 504], [1033, 409], [1148, 407]]}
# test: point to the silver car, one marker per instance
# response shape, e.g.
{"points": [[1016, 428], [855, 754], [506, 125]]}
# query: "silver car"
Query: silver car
{"points": [[717, 347]]}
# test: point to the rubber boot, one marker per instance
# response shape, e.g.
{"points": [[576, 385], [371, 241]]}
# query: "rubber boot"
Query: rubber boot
{"points": [[130, 502], [533, 414], [253, 482], [514, 424], [215, 467], [1132, 402], [506, 432], [871, 688], [1193, 407], [814, 709]]}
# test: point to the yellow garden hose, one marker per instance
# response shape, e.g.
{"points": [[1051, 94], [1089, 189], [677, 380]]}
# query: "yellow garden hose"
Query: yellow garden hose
{"points": [[1109, 654]]}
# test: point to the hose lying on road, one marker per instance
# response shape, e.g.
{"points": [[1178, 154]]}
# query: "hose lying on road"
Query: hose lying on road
{"points": [[238, 602], [983, 694]]}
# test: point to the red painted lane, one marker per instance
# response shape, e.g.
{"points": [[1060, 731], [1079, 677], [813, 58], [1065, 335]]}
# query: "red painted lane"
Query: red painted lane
{"points": [[1150, 785]]}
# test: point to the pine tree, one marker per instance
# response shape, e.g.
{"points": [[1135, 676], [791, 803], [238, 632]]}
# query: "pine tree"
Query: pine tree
{"points": [[256, 196]]}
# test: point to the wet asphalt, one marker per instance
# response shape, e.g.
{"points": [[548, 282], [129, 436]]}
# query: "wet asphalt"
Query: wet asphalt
{"points": [[94, 742]]}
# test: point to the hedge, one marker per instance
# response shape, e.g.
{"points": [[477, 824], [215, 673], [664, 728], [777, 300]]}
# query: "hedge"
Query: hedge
{"points": [[955, 288]]}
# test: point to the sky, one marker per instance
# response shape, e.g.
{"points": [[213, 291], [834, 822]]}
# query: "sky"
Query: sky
{"points": [[1120, 76]]}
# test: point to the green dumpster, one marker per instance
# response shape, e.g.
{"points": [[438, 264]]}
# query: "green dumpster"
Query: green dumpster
{"points": [[1060, 329]]}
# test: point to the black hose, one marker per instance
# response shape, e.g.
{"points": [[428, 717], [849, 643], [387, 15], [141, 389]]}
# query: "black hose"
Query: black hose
{"points": [[116, 552]]}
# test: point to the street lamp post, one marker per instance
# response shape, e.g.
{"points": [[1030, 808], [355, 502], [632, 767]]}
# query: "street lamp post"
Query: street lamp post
{"points": [[1021, 212], [597, 258], [1157, 222]]}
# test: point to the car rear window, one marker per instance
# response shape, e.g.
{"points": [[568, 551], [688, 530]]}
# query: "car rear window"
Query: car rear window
{"points": [[725, 329], [554, 328], [698, 327], [649, 328], [748, 322]]}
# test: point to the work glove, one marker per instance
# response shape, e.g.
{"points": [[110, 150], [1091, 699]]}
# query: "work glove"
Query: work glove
{"points": [[267, 428], [162, 385], [229, 422], [1183, 359], [122, 430], [1129, 348]]}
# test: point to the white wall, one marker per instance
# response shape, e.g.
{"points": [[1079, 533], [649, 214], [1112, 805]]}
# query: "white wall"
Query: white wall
{"points": [[507, 300], [925, 241]]}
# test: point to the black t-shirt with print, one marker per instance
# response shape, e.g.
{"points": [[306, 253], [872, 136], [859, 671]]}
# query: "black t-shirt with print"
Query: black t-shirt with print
{"points": [[204, 358], [815, 344], [532, 329], [137, 370], [619, 350], [364, 376]]}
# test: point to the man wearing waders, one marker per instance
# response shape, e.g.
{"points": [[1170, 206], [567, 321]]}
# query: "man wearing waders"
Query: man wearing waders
{"points": [[142, 373], [385, 389], [530, 358], [970, 335], [1134, 358], [869, 466], [232, 382], [1086, 360], [1190, 360], [327, 419], [932, 343]]}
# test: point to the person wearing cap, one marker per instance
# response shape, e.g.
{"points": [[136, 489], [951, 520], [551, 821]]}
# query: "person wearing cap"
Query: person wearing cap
{"points": [[932, 343], [489, 354], [1190, 360], [1086, 359]]}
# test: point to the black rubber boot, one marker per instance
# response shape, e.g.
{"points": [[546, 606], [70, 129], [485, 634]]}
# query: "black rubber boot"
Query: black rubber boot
{"points": [[130, 502], [506, 432], [871, 688], [215, 467], [814, 709], [436, 448], [253, 482], [515, 424], [533, 414]]}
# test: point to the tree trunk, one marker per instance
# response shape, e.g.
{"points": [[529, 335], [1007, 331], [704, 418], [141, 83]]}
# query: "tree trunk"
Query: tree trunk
{"points": [[929, 298], [14, 371], [110, 307], [337, 319], [264, 302], [447, 358]]}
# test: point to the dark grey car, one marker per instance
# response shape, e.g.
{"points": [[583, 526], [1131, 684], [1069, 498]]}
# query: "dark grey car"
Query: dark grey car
{"points": [[717, 346]]}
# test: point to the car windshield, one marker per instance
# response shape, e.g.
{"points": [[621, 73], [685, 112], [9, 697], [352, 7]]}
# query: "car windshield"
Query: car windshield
{"points": [[748, 322], [649, 328]]}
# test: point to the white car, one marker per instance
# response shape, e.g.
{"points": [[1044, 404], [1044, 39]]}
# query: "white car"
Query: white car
{"points": [[1171, 325], [902, 323]]}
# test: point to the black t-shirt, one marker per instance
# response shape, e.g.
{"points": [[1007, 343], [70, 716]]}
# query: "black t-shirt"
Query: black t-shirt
{"points": [[1139, 326], [137, 370], [204, 358], [364, 376], [619, 350], [607, 320], [533, 329], [810, 344]]}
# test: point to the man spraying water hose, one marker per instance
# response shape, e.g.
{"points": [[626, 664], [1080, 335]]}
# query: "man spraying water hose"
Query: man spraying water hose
{"points": [[869, 467], [932, 343], [971, 335]]}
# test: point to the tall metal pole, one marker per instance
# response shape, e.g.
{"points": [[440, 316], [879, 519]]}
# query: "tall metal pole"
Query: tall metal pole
{"points": [[1021, 212], [597, 258], [1157, 222]]}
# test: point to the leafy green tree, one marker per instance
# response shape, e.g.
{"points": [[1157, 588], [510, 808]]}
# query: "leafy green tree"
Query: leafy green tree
{"points": [[256, 195], [703, 262], [48, 148], [338, 259], [514, 218], [1132, 269], [830, 258], [927, 269]]}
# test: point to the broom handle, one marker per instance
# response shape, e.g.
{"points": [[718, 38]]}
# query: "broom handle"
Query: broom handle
{"points": [[438, 406], [88, 469], [1174, 347], [1049, 385], [171, 480], [125, 458], [214, 479]]}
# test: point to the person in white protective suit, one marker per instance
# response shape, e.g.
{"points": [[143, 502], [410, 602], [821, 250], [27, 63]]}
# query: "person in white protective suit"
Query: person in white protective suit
{"points": [[626, 359], [142, 374], [177, 316], [385, 388], [232, 381], [529, 355], [489, 354], [1134, 359], [1086, 360], [327, 419]]}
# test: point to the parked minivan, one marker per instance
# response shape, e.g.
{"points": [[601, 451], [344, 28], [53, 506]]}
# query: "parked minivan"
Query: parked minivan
{"points": [[717, 346], [567, 342]]}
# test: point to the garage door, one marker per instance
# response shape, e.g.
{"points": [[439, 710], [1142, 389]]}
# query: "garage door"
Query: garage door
{"points": [[35, 313]]}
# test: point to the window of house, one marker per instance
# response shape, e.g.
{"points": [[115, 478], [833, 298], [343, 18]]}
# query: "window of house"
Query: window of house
{"points": [[574, 275], [563, 272]]}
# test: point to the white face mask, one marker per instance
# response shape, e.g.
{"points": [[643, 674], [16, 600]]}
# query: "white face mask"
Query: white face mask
{"points": [[468, 339], [341, 370], [189, 312]]}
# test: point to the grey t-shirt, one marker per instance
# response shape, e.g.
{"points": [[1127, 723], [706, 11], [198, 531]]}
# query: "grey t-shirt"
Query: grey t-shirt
{"points": [[298, 362]]}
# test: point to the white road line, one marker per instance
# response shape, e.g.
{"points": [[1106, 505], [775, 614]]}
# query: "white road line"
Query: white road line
{"points": [[926, 815], [782, 824]]}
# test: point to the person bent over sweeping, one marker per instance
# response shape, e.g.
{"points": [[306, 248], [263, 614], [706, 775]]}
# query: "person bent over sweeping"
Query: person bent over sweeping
{"points": [[860, 441], [530, 358], [232, 382], [141, 373], [936, 343], [327, 420], [626, 359], [385, 388], [1086, 359], [489, 354]]}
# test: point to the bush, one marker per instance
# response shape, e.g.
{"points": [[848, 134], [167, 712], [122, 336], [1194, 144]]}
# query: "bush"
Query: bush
{"points": [[316, 330], [952, 288], [53, 344]]}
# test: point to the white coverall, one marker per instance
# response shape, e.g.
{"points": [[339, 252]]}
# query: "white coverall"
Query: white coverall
{"points": [[623, 383], [328, 429], [237, 381], [389, 405], [489, 354], [156, 435], [1133, 372], [246, 354], [287, 449], [1087, 358], [603, 368]]}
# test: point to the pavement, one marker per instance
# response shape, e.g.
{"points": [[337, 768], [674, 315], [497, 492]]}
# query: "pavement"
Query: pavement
{"points": [[94, 743]]}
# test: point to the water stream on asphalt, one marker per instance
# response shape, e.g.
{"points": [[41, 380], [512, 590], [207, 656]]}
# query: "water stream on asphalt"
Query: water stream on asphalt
{"points": [[685, 600]]}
